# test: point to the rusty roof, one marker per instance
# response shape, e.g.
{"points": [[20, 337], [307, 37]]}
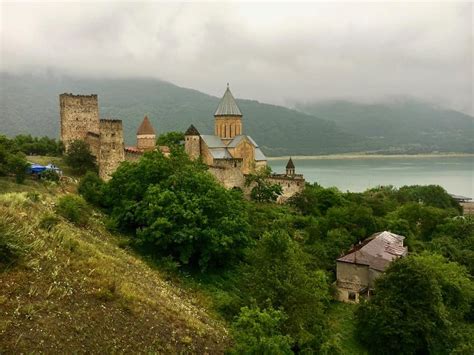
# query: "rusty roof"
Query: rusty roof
{"points": [[145, 127], [377, 251]]}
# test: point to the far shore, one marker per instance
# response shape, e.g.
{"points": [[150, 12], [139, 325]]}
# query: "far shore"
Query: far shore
{"points": [[373, 156]]}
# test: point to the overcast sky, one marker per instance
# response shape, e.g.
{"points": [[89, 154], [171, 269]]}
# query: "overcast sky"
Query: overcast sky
{"points": [[275, 53]]}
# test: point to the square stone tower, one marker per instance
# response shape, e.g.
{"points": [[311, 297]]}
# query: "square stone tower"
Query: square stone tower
{"points": [[79, 115], [111, 147]]}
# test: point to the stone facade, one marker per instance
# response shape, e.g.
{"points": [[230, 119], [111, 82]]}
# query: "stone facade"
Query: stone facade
{"points": [[111, 147], [358, 269], [79, 115], [291, 185], [231, 155], [79, 119]]}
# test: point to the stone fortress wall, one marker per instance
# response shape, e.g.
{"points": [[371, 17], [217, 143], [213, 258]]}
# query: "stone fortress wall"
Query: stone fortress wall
{"points": [[79, 115], [80, 120], [111, 147]]}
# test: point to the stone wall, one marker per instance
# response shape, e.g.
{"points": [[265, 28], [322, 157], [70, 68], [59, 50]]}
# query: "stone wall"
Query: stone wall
{"points": [[192, 146], [146, 142], [111, 147], [291, 185], [229, 177], [79, 114], [93, 140], [350, 279], [227, 127]]}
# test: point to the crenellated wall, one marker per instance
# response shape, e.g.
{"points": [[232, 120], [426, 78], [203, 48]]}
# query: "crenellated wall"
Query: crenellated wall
{"points": [[146, 142], [79, 114]]}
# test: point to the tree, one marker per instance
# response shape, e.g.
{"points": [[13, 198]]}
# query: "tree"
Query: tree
{"points": [[174, 207], [258, 332], [91, 187], [316, 200], [263, 190], [79, 157], [170, 139], [277, 275], [419, 306], [17, 165]]}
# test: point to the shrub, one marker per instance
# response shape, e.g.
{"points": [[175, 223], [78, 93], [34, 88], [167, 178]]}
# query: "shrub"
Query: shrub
{"points": [[50, 175], [91, 188], [74, 209], [258, 331], [18, 166]]}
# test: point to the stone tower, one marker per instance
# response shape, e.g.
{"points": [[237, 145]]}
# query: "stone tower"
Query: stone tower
{"points": [[228, 118], [146, 137], [111, 147], [192, 143], [290, 168], [79, 115]]}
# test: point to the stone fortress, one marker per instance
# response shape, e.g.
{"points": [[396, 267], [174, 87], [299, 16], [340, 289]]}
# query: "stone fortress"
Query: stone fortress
{"points": [[229, 154]]}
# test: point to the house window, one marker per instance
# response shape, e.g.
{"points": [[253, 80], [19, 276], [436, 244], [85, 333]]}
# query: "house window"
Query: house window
{"points": [[352, 296]]}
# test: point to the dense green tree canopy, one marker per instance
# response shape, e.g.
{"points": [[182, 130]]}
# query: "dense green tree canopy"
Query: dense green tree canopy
{"points": [[174, 207], [258, 332], [277, 275], [419, 306]]}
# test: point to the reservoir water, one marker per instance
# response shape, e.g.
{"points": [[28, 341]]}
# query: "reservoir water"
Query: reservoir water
{"points": [[455, 174]]}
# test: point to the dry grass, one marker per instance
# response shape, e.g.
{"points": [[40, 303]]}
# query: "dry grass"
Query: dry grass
{"points": [[75, 290]]}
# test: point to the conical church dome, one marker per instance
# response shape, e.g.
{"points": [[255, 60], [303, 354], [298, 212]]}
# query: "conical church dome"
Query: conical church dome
{"points": [[227, 105]]}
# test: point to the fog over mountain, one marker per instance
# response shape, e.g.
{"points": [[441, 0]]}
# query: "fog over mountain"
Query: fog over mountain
{"points": [[275, 53]]}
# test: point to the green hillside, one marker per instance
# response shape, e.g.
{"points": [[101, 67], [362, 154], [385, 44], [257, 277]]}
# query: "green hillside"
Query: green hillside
{"points": [[30, 104], [400, 126]]}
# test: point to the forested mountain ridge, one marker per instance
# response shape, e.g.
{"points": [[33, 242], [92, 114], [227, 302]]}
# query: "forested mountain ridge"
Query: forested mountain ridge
{"points": [[402, 125], [30, 104]]}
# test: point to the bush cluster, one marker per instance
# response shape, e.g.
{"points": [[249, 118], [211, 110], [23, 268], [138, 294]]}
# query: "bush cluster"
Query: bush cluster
{"points": [[74, 209]]}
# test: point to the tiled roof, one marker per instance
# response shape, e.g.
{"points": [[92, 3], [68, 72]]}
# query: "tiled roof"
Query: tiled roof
{"points": [[227, 105], [377, 251], [145, 127]]}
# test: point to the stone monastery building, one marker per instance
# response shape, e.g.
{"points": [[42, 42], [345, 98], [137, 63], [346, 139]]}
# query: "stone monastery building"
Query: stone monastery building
{"points": [[229, 153]]}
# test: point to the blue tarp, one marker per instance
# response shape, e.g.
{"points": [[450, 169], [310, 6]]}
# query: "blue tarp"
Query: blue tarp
{"points": [[38, 169]]}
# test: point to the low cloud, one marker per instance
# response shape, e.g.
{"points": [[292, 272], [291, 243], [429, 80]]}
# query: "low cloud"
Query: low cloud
{"points": [[272, 52]]}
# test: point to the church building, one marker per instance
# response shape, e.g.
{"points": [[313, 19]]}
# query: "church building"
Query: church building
{"points": [[228, 146]]}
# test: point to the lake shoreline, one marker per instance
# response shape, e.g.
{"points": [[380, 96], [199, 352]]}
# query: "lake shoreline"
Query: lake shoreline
{"points": [[351, 156]]}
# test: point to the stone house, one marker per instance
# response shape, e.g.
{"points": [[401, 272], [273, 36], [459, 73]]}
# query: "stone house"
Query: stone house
{"points": [[358, 269]]}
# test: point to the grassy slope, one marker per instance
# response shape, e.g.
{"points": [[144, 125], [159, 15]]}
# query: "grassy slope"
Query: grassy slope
{"points": [[341, 322], [75, 290]]}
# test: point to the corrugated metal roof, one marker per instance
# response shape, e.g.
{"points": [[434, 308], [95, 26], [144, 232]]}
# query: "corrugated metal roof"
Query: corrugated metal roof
{"points": [[227, 105], [253, 142], [377, 251], [235, 141], [212, 141], [220, 153], [259, 156]]}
